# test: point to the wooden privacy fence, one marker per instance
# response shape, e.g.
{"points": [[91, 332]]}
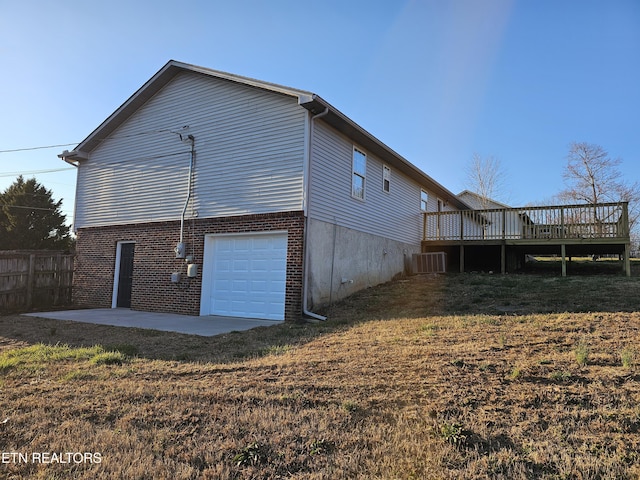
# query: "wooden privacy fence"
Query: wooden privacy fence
{"points": [[31, 279]]}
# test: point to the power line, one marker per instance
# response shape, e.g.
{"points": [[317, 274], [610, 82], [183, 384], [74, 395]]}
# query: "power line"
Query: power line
{"points": [[28, 208], [111, 137], [44, 147], [36, 172], [37, 148]]}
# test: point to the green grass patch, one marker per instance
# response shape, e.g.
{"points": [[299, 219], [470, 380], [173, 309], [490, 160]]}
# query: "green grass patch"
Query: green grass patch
{"points": [[40, 355], [108, 358], [628, 356], [582, 352]]}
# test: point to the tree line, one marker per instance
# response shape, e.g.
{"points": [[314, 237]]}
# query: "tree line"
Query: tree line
{"points": [[30, 219]]}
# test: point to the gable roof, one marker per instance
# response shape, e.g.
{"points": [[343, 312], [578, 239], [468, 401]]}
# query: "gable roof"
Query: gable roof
{"points": [[308, 100], [477, 198]]}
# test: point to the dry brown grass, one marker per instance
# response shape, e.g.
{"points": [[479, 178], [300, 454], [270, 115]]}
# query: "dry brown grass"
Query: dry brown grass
{"points": [[462, 376]]}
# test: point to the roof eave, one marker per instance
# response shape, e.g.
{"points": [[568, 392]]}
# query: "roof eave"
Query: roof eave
{"points": [[73, 157]]}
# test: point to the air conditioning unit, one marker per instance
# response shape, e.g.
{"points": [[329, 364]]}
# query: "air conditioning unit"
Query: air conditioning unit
{"points": [[432, 262]]}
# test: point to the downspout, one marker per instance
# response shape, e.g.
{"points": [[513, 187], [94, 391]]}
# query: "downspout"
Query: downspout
{"points": [[305, 253], [180, 248], [63, 157]]}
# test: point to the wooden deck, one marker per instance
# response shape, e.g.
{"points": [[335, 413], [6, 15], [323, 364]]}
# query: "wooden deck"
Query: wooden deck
{"points": [[566, 230]]}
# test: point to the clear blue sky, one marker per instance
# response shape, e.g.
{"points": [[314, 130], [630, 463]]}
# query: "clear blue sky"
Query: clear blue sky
{"points": [[436, 80]]}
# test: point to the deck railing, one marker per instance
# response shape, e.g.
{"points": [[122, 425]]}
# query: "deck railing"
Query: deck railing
{"points": [[558, 222]]}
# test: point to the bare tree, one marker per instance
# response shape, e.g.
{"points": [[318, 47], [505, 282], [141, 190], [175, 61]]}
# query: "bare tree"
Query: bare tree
{"points": [[486, 177], [635, 244], [592, 176]]}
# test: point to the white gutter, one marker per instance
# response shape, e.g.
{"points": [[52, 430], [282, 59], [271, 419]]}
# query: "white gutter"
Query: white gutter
{"points": [[65, 157], [305, 253]]}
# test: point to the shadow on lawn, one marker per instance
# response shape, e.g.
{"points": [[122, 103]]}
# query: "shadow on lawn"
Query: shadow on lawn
{"points": [[494, 294], [413, 297]]}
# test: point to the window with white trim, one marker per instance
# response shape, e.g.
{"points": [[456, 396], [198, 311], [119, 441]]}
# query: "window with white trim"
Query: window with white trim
{"points": [[424, 198], [359, 174], [386, 179]]}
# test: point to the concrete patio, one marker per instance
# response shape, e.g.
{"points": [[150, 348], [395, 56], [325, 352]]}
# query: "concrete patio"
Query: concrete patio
{"points": [[206, 326]]}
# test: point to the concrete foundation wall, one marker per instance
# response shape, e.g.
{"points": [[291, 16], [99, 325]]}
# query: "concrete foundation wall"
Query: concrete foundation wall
{"points": [[343, 261]]}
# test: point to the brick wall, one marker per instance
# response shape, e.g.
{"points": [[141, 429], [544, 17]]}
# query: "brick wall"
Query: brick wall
{"points": [[154, 261]]}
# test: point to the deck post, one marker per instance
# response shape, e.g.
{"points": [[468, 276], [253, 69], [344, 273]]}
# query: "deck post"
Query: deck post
{"points": [[563, 253], [627, 259], [503, 259], [461, 241]]}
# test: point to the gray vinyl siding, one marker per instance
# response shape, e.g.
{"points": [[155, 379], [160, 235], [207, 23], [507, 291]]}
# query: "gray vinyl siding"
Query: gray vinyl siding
{"points": [[395, 215], [250, 147]]}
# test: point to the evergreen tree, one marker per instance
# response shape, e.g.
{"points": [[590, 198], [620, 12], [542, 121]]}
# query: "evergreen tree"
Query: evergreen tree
{"points": [[30, 219]]}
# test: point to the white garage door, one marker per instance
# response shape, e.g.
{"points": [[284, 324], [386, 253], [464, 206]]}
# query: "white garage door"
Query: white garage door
{"points": [[244, 275]]}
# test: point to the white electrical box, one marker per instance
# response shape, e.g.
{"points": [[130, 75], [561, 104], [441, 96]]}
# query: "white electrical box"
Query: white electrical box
{"points": [[175, 277], [180, 250], [192, 270]]}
